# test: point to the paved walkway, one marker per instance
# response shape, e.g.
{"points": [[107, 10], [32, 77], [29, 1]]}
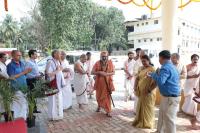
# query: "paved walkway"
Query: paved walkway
{"points": [[88, 121]]}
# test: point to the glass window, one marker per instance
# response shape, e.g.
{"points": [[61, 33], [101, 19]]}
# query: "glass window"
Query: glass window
{"points": [[155, 21], [139, 41], [138, 25], [147, 23], [151, 40]]}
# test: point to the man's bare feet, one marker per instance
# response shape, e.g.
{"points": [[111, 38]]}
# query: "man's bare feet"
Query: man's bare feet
{"points": [[193, 123], [108, 115], [98, 109]]}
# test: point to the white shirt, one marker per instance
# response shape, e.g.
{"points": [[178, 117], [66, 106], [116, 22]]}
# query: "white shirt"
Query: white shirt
{"points": [[90, 65], [3, 70], [137, 65], [129, 65]]}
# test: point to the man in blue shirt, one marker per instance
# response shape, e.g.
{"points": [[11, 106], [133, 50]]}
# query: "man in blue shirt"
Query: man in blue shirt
{"points": [[16, 70], [34, 75], [167, 79]]}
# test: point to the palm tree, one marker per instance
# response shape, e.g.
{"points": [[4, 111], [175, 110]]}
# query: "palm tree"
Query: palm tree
{"points": [[9, 30]]}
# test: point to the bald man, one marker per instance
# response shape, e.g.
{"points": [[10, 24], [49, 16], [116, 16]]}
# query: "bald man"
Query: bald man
{"points": [[104, 70], [81, 80]]}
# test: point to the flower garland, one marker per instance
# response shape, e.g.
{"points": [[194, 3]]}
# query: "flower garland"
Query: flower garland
{"points": [[150, 6]]}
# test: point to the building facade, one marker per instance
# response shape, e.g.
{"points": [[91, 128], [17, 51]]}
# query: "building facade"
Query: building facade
{"points": [[146, 33]]}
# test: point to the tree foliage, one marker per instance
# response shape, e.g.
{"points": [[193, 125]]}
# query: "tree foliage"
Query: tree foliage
{"points": [[66, 24]]}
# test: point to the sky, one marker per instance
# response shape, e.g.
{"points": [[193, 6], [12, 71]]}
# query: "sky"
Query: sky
{"points": [[20, 8]]}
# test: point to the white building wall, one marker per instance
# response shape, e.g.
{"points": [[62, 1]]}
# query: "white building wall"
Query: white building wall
{"points": [[147, 35]]}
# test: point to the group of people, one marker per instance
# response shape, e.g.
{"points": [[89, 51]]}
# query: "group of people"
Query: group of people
{"points": [[173, 79], [141, 79], [26, 73]]}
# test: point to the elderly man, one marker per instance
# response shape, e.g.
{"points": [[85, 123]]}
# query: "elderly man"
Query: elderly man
{"points": [[68, 76], [175, 58], [167, 79], [54, 73], [16, 70], [104, 70]]}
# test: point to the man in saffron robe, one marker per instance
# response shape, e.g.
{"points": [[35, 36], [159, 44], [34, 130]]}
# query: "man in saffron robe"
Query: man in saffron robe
{"points": [[104, 70]]}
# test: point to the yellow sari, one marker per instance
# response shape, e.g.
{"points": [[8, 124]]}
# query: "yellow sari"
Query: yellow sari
{"points": [[146, 101]]}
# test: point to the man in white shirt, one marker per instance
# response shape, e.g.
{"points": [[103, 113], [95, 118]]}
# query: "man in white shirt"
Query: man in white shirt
{"points": [[3, 68], [90, 64], [3, 72], [129, 77], [34, 75]]}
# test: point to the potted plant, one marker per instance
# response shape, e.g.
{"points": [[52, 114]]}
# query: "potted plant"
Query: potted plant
{"points": [[31, 95], [7, 97]]}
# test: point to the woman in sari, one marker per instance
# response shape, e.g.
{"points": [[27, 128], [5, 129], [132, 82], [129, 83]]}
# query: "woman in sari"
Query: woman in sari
{"points": [[145, 90]]}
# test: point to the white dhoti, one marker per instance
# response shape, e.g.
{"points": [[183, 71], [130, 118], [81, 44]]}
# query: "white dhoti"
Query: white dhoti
{"points": [[80, 88], [90, 85], [20, 106], [129, 87], [55, 102], [55, 106], [67, 96], [67, 90], [189, 105]]}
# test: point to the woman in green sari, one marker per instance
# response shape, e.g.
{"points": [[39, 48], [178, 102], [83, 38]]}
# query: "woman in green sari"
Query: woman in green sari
{"points": [[145, 90]]}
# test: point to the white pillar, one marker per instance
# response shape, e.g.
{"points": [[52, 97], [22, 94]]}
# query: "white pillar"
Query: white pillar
{"points": [[169, 25]]}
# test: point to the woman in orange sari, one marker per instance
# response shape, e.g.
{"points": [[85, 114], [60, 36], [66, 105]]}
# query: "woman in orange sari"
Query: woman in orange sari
{"points": [[104, 70], [145, 90]]}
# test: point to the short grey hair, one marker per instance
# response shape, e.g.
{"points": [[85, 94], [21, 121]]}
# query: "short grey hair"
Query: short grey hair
{"points": [[176, 55]]}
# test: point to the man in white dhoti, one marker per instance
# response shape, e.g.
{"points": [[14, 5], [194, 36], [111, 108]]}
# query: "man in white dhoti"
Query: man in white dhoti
{"points": [[90, 64], [69, 76], [81, 80], [192, 81], [3, 73], [129, 77], [137, 65], [175, 58], [196, 119], [16, 70], [55, 102]]}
